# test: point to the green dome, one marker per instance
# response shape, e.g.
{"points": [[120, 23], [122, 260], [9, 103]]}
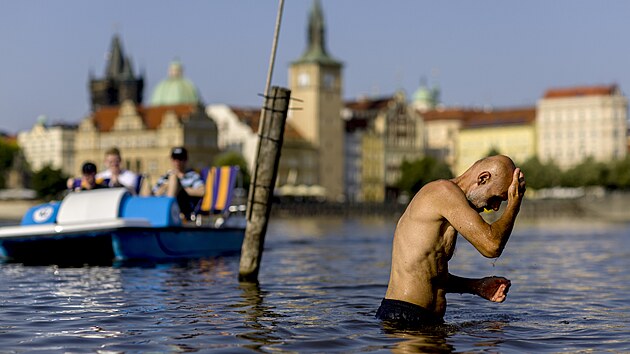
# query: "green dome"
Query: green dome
{"points": [[422, 94], [175, 89]]}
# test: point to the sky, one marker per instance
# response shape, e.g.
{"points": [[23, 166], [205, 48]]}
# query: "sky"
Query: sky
{"points": [[480, 53]]}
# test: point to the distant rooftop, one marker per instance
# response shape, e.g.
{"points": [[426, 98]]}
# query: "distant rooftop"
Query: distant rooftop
{"points": [[104, 118], [475, 118], [251, 117], [601, 90]]}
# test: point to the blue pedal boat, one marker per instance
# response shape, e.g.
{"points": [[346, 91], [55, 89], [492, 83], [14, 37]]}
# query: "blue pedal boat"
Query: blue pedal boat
{"points": [[110, 225]]}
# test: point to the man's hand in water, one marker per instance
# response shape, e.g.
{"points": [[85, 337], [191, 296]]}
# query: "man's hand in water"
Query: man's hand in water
{"points": [[494, 289]]}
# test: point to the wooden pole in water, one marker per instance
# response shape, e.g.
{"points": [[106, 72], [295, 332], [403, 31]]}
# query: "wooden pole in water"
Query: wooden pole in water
{"points": [[271, 136]]}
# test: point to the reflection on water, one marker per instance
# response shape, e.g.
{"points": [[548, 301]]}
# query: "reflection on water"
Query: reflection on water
{"points": [[320, 284]]}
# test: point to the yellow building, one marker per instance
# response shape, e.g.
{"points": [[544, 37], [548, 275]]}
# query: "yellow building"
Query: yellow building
{"points": [[442, 133], [510, 132], [372, 171], [315, 80]]}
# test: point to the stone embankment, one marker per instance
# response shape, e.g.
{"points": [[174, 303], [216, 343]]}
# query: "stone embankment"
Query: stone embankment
{"points": [[613, 207], [11, 211]]}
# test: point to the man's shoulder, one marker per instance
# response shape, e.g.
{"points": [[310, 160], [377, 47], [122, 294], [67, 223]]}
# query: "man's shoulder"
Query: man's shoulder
{"points": [[191, 173], [437, 195], [441, 186]]}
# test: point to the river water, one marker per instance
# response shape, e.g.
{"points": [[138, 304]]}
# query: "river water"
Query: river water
{"points": [[320, 284]]}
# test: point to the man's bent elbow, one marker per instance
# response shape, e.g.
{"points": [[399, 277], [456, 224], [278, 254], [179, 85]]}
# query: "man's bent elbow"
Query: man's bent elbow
{"points": [[492, 251]]}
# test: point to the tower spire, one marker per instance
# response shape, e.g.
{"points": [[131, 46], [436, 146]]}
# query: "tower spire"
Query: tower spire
{"points": [[316, 38], [115, 59]]}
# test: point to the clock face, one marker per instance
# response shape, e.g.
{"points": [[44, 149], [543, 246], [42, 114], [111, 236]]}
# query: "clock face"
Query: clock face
{"points": [[303, 79]]}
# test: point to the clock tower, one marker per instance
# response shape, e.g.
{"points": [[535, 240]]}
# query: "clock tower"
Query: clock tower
{"points": [[315, 80]]}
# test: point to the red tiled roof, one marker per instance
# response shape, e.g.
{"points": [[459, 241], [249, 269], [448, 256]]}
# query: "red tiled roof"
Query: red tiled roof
{"points": [[251, 117], [448, 114], [104, 118], [365, 104], [478, 117], [603, 90], [501, 117]]}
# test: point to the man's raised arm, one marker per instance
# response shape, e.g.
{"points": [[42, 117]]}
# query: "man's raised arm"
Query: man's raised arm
{"points": [[488, 239]]}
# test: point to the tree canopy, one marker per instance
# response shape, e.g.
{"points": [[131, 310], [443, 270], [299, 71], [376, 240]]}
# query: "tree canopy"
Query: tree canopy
{"points": [[415, 174]]}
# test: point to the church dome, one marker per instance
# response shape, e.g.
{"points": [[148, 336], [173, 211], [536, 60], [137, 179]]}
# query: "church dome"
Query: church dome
{"points": [[422, 94], [175, 89]]}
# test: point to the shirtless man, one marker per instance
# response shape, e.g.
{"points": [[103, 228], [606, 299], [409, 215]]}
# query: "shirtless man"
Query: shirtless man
{"points": [[424, 240]]}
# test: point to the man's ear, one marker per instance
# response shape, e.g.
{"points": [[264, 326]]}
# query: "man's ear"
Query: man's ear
{"points": [[483, 178]]}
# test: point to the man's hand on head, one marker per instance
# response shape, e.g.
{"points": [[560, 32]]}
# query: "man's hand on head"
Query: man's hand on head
{"points": [[517, 187]]}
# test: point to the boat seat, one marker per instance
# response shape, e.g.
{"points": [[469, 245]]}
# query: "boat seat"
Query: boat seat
{"points": [[91, 206], [219, 184]]}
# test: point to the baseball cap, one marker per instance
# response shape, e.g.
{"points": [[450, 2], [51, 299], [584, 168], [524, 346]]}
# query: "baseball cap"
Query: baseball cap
{"points": [[179, 153], [88, 167]]}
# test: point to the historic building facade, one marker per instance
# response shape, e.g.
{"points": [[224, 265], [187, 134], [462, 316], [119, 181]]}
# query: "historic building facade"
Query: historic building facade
{"points": [[315, 80], [442, 127], [579, 122], [510, 132], [380, 134], [49, 145], [146, 134], [297, 171]]}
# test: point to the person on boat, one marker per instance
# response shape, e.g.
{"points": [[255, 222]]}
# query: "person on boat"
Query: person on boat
{"points": [[87, 181], [114, 175], [424, 241], [181, 182]]}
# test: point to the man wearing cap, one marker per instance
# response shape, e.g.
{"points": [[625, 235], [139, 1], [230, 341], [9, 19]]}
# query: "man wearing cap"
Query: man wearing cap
{"points": [[88, 179], [180, 182]]}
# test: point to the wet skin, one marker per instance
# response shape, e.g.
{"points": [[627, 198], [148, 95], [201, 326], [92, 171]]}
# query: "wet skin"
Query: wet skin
{"points": [[426, 234]]}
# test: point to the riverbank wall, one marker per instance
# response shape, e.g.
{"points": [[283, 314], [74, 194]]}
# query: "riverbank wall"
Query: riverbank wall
{"points": [[610, 207]]}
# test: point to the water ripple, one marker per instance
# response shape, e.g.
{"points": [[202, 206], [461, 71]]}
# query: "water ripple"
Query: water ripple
{"points": [[320, 285]]}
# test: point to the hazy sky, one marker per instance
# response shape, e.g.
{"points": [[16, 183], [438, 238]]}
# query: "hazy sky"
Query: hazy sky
{"points": [[500, 53]]}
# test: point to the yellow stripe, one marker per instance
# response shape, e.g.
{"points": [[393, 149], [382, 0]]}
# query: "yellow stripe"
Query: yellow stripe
{"points": [[223, 188], [207, 197]]}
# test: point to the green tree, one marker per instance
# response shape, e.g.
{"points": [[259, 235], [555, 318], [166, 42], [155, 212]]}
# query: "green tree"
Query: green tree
{"points": [[8, 151], [493, 151], [588, 173], [49, 183], [539, 175], [619, 176], [415, 174], [232, 158]]}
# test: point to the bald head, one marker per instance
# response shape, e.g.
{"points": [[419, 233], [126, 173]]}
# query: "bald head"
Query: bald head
{"points": [[500, 166], [487, 181]]}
